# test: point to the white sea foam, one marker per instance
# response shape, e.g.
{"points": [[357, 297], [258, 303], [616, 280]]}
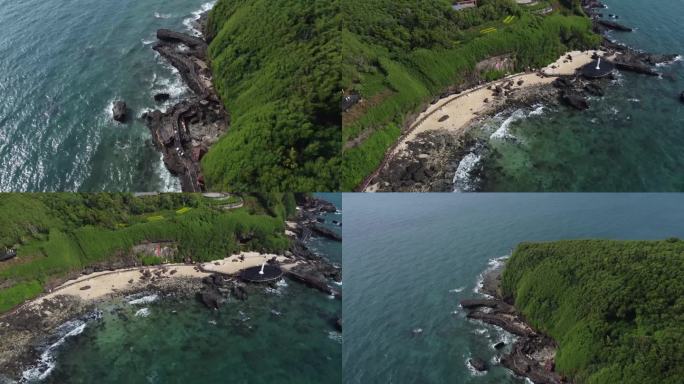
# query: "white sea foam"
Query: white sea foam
{"points": [[457, 290], [190, 22], [473, 371], [492, 264], [158, 15], [336, 336], [142, 312], [503, 133], [145, 299], [538, 110], [462, 179], [46, 362], [169, 183], [634, 100]]}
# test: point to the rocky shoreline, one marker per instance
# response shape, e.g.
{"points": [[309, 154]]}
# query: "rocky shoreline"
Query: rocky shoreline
{"points": [[533, 353], [28, 330], [184, 133], [431, 162]]}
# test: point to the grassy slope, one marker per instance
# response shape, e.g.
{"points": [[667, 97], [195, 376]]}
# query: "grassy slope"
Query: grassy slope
{"points": [[400, 54], [615, 307], [78, 230], [276, 68]]}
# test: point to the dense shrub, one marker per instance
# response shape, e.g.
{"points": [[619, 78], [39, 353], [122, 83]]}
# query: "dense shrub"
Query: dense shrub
{"points": [[615, 308]]}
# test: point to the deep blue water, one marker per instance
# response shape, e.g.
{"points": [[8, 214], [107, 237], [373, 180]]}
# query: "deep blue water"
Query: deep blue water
{"points": [[63, 64], [409, 258]]}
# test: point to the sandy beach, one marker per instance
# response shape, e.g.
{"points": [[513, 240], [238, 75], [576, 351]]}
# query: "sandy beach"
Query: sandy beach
{"points": [[101, 284], [455, 112]]}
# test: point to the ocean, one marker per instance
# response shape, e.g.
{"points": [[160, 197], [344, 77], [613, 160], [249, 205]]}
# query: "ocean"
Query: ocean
{"points": [[410, 258], [285, 334], [630, 140], [63, 65]]}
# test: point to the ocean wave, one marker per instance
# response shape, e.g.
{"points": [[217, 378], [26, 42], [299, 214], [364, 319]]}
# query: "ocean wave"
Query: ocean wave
{"points": [[503, 132], [492, 264], [46, 362], [158, 15], [473, 371], [169, 182], [191, 22], [457, 290], [145, 299], [462, 180], [538, 110], [335, 336], [142, 312]]}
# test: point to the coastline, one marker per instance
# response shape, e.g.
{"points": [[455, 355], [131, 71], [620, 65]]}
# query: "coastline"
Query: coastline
{"points": [[463, 109], [185, 131], [439, 150], [532, 354], [30, 332]]}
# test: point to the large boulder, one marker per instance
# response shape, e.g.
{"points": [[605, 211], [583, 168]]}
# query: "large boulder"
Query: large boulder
{"points": [[161, 97], [119, 111], [478, 364], [239, 292], [575, 100], [211, 298], [594, 89]]}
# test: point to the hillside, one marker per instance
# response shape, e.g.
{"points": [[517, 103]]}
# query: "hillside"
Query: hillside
{"points": [[276, 68], [57, 235], [399, 55], [615, 308]]}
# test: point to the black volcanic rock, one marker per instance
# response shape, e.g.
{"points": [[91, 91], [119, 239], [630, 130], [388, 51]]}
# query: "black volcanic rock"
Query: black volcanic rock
{"points": [[478, 364], [211, 298], [575, 100], [613, 25], [161, 97], [119, 111], [594, 89], [681, 97]]}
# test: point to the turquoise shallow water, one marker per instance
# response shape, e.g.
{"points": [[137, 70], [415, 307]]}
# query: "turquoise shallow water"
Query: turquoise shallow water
{"points": [[630, 140], [409, 259], [63, 64], [281, 335]]}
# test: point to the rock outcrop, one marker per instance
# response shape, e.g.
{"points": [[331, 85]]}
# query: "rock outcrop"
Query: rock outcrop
{"points": [[185, 131], [119, 111]]}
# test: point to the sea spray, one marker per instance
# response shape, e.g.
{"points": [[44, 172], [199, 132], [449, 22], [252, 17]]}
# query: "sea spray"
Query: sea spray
{"points": [[503, 132], [191, 22], [144, 299], [47, 361], [462, 178]]}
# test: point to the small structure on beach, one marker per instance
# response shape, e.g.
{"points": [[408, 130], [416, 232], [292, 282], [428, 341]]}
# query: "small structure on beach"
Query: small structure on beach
{"points": [[7, 254], [463, 4], [597, 69], [261, 274]]}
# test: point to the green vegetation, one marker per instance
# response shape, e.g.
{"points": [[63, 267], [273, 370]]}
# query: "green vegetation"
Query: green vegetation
{"points": [[400, 54], [59, 234], [615, 308], [276, 68]]}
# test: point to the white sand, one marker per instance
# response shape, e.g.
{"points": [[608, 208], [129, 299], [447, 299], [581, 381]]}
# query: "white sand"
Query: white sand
{"points": [[232, 264], [468, 105], [107, 282]]}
